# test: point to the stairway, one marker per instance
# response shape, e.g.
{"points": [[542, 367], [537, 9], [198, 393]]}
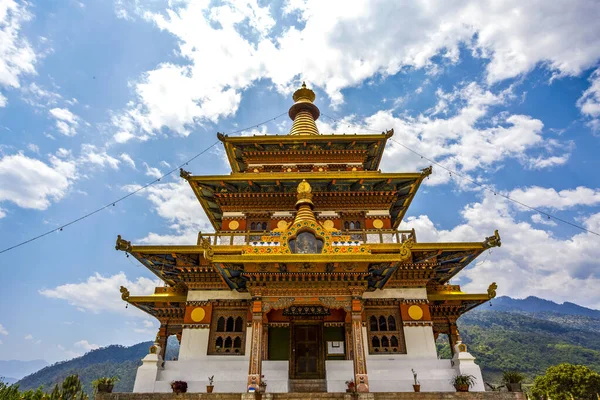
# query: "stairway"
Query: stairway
{"points": [[308, 385]]}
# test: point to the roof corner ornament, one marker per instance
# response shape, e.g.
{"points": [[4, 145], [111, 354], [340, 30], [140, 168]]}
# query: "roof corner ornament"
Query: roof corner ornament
{"points": [[492, 241], [389, 133], [207, 249], [221, 136], [184, 174], [124, 293], [492, 290], [427, 171], [123, 244]]}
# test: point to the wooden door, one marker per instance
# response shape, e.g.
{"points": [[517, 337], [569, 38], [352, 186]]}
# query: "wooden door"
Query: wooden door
{"points": [[307, 352]]}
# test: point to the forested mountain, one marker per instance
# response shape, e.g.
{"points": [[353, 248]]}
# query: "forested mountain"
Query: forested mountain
{"points": [[528, 335]]}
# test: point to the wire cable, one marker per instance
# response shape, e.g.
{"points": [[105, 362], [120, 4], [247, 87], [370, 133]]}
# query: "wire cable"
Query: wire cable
{"points": [[484, 187], [120, 199]]}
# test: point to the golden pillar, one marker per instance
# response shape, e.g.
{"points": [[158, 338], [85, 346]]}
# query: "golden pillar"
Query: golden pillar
{"points": [[360, 363], [256, 351]]}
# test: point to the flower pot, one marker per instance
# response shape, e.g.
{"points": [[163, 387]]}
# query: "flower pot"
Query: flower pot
{"points": [[209, 388], [417, 388], [105, 388], [461, 388], [514, 387]]}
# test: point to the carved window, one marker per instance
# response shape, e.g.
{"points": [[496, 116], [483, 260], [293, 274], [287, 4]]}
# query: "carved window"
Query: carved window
{"points": [[385, 332], [228, 331]]}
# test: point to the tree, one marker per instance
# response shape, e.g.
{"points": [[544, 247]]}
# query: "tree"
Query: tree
{"points": [[567, 382]]}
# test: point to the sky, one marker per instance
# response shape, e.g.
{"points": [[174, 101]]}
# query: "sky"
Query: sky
{"points": [[100, 97]]}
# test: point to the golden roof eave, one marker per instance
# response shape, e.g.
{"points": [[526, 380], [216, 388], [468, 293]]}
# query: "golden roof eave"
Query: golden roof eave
{"points": [[292, 176], [158, 298], [230, 142], [460, 296]]}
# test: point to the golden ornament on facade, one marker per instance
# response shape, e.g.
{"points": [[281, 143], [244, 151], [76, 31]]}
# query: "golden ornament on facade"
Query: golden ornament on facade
{"points": [[198, 314], [282, 225], [377, 223], [328, 224], [415, 312], [233, 225]]}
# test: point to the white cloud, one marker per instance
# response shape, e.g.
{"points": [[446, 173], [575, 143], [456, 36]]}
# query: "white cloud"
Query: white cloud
{"points": [[148, 324], [91, 154], [29, 337], [31, 183], [16, 55], [153, 172], [101, 294], [2, 213], [337, 45], [3, 330], [531, 261], [544, 220], [461, 132], [85, 345], [127, 160], [34, 148], [165, 164], [36, 96], [175, 202], [589, 102], [66, 122], [536, 196]]}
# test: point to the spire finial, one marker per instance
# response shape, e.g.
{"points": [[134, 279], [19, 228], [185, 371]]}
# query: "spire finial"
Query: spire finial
{"points": [[304, 113]]}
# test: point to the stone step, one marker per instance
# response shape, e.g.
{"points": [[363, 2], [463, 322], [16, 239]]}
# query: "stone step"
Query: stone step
{"points": [[308, 385]]}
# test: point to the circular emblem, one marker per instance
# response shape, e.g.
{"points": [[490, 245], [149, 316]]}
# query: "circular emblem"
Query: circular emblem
{"points": [[415, 312], [328, 224], [198, 314], [282, 225], [377, 223], [233, 225]]}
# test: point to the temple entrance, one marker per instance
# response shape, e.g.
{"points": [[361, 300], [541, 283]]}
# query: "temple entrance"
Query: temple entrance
{"points": [[307, 360]]}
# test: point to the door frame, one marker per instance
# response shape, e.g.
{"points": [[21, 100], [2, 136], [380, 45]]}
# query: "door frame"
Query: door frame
{"points": [[320, 351]]}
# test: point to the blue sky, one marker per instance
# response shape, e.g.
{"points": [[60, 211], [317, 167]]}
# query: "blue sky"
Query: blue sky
{"points": [[99, 97]]}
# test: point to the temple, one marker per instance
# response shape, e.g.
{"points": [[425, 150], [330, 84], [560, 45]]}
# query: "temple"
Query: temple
{"points": [[307, 282]]}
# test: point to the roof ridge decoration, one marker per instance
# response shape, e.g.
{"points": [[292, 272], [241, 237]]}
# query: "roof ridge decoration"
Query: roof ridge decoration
{"points": [[304, 112]]}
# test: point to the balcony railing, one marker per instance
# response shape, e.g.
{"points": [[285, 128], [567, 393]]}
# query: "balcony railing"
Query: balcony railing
{"points": [[357, 237]]}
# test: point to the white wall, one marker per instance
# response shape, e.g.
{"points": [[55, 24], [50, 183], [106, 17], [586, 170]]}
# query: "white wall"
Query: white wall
{"points": [[204, 295], [397, 293]]}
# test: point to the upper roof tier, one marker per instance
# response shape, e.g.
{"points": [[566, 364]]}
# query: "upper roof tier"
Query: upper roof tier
{"points": [[305, 148]]}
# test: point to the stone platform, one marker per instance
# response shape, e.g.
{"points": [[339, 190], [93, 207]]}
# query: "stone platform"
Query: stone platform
{"points": [[315, 396]]}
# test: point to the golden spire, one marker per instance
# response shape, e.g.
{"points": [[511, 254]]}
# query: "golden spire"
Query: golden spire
{"points": [[304, 113], [304, 205]]}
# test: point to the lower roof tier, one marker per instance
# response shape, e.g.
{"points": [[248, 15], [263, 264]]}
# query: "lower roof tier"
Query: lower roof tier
{"points": [[246, 267], [444, 303]]}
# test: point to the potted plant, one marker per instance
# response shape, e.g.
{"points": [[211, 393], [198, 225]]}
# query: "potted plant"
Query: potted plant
{"points": [[416, 385], [463, 382], [104, 384], [262, 386], [179, 386], [512, 380], [350, 386], [210, 386]]}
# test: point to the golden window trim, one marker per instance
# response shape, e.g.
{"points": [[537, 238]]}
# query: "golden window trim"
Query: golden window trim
{"points": [[228, 337], [381, 340]]}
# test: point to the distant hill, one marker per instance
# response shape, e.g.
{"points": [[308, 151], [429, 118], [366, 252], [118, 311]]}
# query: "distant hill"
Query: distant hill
{"points": [[13, 370], [528, 335], [534, 304], [107, 361]]}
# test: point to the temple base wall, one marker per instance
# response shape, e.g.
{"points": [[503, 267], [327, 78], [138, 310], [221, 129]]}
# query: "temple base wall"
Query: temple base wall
{"points": [[315, 396]]}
